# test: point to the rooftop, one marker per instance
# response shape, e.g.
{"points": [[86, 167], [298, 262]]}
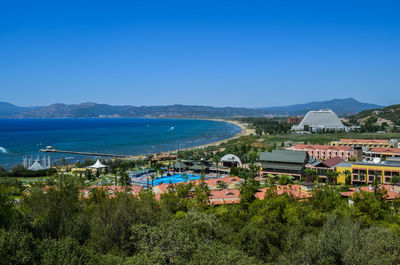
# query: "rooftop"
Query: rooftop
{"points": [[284, 156], [391, 193], [320, 119], [386, 150], [322, 147], [364, 141]]}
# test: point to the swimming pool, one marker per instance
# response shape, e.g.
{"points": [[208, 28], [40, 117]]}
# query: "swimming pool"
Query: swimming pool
{"points": [[175, 179]]}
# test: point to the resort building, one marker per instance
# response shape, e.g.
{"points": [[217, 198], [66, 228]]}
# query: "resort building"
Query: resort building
{"points": [[324, 151], [283, 162], [319, 121], [323, 166], [294, 120], [383, 153], [366, 172], [367, 143]]}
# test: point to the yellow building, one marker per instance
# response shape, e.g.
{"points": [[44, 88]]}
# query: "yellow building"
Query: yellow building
{"points": [[366, 172], [368, 143], [341, 169]]}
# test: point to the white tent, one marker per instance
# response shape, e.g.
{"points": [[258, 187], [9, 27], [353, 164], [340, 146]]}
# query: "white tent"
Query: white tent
{"points": [[97, 165]]}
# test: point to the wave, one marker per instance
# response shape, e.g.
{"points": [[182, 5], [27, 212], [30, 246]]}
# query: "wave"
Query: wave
{"points": [[3, 150], [172, 128]]}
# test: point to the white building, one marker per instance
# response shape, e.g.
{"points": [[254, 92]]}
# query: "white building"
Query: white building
{"points": [[318, 120]]}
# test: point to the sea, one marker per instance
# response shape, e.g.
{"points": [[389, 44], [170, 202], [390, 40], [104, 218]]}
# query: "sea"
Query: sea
{"points": [[21, 138]]}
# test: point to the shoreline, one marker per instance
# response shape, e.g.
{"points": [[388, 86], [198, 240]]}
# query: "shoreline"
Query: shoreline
{"points": [[237, 133], [243, 132]]}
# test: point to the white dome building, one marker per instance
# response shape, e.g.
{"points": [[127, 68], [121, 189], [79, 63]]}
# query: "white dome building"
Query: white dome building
{"points": [[320, 119], [230, 160]]}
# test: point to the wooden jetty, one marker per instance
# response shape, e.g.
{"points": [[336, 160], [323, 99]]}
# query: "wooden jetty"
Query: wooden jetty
{"points": [[81, 153]]}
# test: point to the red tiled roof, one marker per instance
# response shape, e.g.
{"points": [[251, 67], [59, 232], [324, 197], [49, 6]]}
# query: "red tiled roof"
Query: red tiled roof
{"points": [[333, 161], [224, 196], [322, 147], [364, 141], [386, 150], [214, 181], [293, 190], [133, 189], [391, 194]]}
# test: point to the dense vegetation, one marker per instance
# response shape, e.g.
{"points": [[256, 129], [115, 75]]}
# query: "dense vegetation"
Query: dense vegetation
{"points": [[55, 226], [391, 113], [384, 119], [267, 125]]}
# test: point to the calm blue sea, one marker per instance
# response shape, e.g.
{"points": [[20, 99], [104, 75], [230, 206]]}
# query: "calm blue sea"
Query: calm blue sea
{"points": [[24, 137]]}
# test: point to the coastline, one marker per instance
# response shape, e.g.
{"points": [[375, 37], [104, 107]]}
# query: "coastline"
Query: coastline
{"points": [[243, 131], [235, 132]]}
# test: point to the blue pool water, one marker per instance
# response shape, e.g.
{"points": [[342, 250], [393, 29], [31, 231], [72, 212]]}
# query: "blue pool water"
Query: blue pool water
{"points": [[25, 137], [174, 179]]}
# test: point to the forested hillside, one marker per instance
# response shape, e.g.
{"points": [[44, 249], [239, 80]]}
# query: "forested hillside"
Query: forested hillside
{"points": [[55, 226]]}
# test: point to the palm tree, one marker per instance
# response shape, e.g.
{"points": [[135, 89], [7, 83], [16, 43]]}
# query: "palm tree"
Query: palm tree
{"points": [[216, 161], [347, 174], [185, 177], [332, 176], [394, 179], [222, 185], [311, 172]]}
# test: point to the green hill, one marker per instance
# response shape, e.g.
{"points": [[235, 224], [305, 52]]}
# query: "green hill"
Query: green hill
{"points": [[390, 113]]}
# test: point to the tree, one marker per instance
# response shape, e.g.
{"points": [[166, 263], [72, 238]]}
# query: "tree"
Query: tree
{"points": [[3, 172], [312, 173], [347, 176], [222, 185], [394, 179], [331, 176], [185, 177], [202, 193], [248, 188]]}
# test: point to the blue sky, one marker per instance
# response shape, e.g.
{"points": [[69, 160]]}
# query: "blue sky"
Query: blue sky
{"points": [[219, 53]]}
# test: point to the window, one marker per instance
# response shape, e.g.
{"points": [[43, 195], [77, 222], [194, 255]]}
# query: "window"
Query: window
{"points": [[371, 178], [387, 180]]}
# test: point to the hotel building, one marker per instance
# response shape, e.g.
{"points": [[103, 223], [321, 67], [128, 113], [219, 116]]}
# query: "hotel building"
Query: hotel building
{"points": [[325, 151]]}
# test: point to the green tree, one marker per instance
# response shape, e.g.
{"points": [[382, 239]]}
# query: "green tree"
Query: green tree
{"points": [[347, 177], [202, 193], [331, 176], [222, 185]]}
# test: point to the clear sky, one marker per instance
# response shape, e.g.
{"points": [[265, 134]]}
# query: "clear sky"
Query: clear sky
{"points": [[219, 53]]}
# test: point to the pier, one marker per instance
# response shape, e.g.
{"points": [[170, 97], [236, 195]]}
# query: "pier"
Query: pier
{"points": [[82, 153]]}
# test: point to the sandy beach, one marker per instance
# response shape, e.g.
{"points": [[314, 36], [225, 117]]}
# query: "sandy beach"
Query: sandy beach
{"points": [[244, 131]]}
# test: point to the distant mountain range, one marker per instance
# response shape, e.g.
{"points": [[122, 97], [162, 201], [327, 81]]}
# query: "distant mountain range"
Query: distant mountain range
{"points": [[341, 107], [93, 110]]}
